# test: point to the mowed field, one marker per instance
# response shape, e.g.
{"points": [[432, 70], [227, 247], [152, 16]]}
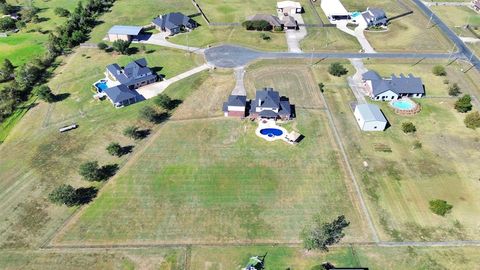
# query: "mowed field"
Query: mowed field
{"points": [[409, 33], [400, 184], [28, 43], [209, 179], [36, 158], [456, 18]]}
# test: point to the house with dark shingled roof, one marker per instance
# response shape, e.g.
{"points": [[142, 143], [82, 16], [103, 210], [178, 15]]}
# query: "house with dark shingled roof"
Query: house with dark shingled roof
{"points": [[269, 104], [235, 106], [174, 23], [134, 75], [394, 87]]}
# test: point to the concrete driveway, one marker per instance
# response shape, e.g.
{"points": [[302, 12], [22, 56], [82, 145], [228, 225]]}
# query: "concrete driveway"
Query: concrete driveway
{"points": [[239, 89], [160, 40], [355, 81], [294, 37], [154, 89]]}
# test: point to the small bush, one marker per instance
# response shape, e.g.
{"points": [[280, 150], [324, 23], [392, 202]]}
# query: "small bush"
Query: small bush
{"points": [[114, 149], [464, 104], [132, 132], [164, 101], [265, 36], [454, 90], [337, 69], [90, 171], [417, 145], [260, 25], [439, 70], [440, 207], [446, 81], [45, 94], [472, 120], [408, 127], [61, 12], [149, 114], [7, 24], [102, 46]]}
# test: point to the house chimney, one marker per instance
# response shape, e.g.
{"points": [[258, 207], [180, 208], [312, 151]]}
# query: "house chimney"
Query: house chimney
{"points": [[259, 102]]}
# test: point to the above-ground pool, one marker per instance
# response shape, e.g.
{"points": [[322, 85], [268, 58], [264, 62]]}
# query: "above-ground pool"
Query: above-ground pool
{"points": [[101, 85], [271, 132], [403, 104]]}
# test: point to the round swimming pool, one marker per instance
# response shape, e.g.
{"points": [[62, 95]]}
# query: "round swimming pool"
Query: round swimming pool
{"points": [[403, 104], [271, 132]]}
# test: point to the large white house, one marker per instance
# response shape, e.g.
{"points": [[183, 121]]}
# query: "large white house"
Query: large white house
{"points": [[370, 118]]}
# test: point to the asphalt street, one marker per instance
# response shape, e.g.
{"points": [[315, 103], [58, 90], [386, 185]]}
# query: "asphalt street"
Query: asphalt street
{"points": [[231, 56]]}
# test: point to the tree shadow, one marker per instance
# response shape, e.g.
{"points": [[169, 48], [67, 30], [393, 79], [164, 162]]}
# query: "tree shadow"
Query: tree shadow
{"points": [[42, 19], [142, 134], [132, 50], [85, 195], [161, 117], [61, 97], [108, 171], [149, 51], [174, 103], [126, 150]]}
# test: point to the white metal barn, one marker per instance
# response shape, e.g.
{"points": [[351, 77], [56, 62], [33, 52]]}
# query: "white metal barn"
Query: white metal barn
{"points": [[289, 7], [370, 118]]}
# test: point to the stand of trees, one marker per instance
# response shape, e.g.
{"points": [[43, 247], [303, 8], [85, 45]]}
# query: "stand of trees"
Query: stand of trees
{"points": [[34, 73], [323, 234], [257, 25]]}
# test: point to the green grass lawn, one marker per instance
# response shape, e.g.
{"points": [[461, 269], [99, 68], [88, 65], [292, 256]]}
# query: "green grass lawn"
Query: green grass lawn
{"points": [[209, 36], [410, 33], [400, 184], [28, 43], [43, 158], [456, 18], [213, 180]]}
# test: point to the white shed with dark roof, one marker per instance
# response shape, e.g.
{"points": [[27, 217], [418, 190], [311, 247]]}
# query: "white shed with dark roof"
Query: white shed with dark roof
{"points": [[370, 118]]}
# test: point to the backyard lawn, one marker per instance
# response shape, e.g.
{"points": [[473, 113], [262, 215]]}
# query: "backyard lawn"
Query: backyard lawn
{"points": [[43, 158], [409, 33], [208, 179], [399, 184]]}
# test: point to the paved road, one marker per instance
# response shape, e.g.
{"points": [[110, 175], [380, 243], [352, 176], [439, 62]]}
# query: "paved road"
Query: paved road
{"points": [[462, 48], [447, 3], [231, 56]]}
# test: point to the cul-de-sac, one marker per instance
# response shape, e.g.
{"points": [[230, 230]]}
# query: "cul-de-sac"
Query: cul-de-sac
{"points": [[240, 134]]}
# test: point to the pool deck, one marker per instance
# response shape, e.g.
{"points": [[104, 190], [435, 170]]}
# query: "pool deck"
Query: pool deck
{"points": [[270, 123]]}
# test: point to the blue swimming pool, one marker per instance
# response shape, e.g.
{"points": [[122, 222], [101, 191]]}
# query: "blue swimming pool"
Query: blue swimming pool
{"points": [[355, 14], [102, 85], [403, 104], [271, 132]]}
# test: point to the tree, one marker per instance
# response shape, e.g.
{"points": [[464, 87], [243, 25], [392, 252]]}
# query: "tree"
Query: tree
{"points": [[163, 101], [323, 234], [61, 12], [64, 194], [464, 104], [472, 120], [440, 207], [132, 132], [7, 24], [90, 171], [44, 93], [28, 75], [439, 70], [337, 69], [408, 127], [149, 114], [454, 90], [102, 46], [7, 70], [121, 46], [5, 8], [115, 149]]}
